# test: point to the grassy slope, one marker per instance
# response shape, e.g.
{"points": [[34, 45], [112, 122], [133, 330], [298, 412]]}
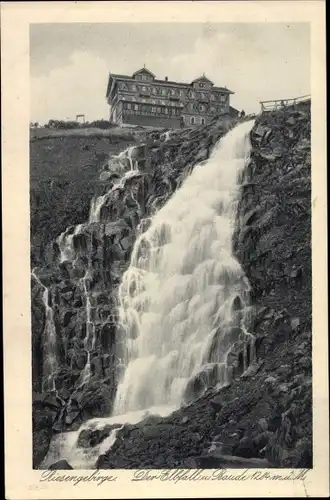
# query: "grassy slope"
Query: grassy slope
{"points": [[63, 178]]}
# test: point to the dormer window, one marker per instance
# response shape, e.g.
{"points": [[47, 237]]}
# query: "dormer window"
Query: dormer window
{"points": [[202, 85]]}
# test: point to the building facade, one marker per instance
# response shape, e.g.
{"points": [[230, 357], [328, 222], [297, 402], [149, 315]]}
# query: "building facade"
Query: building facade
{"points": [[141, 99]]}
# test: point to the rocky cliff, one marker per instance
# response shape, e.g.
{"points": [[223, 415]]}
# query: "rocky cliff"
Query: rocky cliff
{"points": [[264, 415]]}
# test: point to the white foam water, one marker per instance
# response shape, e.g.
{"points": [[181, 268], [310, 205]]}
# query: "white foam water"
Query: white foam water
{"points": [[65, 243], [181, 290], [97, 204], [50, 363], [65, 446]]}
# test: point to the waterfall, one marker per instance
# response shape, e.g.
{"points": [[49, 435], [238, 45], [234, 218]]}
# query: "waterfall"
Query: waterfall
{"points": [[50, 364], [183, 302], [184, 298], [65, 243], [126, 167]]}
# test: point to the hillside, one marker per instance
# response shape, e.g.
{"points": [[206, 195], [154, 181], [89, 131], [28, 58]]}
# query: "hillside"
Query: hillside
{"points": [[263, 416], [63, 178]]}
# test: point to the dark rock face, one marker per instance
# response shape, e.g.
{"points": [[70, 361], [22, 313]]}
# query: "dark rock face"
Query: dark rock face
{"points": [[264, 417], [42, 423]]}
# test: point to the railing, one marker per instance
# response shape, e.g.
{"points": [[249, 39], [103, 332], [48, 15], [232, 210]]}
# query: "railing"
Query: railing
{"points": [[282, 103]]}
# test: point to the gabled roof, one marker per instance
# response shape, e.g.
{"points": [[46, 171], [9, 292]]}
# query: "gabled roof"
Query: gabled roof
{"points": [[202, 78], [143, 70]]}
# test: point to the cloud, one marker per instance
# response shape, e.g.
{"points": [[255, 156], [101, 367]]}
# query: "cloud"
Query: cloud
{"points": [[257, 61], [78, 87]]}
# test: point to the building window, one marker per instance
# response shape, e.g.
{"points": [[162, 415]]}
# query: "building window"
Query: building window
{"points": [[212, 97], [134, 88], [192, 120], [163, 91], [193, 95], [223, 98], [153, 109], [159, 110], [202, 108], [129, 105], [166, 111], [144, 88], [153, 90], [203, 121], [136, 107], [202, 85]]}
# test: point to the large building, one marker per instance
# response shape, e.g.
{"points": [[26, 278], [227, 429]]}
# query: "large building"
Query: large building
{"points": [[142, 99]]}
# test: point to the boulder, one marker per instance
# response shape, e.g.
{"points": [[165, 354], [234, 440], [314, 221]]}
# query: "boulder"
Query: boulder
{"points": [[89, 438], [217, 403], [60, 465]]}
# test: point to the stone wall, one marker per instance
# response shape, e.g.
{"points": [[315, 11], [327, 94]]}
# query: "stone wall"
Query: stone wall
{"points": [[152, 121]]}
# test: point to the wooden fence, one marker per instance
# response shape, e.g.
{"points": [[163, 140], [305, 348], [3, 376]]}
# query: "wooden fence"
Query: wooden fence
{"points": [[282, 103]]}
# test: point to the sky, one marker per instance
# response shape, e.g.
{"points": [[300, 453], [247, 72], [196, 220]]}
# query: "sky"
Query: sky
{"points": [[70, 62]]}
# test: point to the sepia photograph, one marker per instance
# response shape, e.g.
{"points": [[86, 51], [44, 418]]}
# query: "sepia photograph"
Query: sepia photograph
{"points": [[170, 245]]}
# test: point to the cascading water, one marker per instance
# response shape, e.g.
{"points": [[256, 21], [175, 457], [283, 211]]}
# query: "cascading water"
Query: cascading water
{"points": [[183, 298], [50, 364]]}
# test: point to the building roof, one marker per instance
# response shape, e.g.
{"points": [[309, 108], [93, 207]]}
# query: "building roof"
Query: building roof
{"points": [[202, 78], [163, 82], [143, 70]]}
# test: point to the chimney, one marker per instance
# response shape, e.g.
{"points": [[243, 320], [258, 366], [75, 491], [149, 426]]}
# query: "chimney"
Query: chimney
{"points": [[166, 78]]}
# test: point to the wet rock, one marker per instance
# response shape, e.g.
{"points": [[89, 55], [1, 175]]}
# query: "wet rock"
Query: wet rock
{"points": [[217, 403], [246, 448], [52, 401], [252, 370], [262, 424], [89, 438], [201, 382], [295, 322], [42, 421], [274, 421], [261, 440], [190, 463], [105, 176], [271, 380], [60, 465]]}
